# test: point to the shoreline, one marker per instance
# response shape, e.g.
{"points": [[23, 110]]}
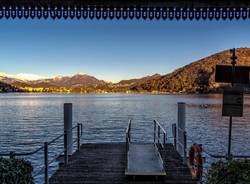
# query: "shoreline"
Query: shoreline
{"points": [[124, 93], [146, 93]]}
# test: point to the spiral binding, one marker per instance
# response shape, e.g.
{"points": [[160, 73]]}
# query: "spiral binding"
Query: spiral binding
{"points": [[145, 13]]}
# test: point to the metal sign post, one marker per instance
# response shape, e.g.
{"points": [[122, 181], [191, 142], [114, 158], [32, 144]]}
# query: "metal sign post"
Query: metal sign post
{"points": [[232, 98], [233, 58]]}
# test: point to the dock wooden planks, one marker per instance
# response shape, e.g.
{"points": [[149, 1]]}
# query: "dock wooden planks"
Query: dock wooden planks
{"points": [[105, 163]]}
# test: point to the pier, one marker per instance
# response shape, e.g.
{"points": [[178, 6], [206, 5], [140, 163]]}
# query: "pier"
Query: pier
{"points": [[160, 160], [153, 162], [106, 163]]}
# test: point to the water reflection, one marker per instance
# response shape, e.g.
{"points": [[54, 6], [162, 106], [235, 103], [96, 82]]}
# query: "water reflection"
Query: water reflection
{"points": [[27, 120]]}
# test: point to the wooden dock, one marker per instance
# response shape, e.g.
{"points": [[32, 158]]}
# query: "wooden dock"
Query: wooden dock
{"points": [[106, 163]]}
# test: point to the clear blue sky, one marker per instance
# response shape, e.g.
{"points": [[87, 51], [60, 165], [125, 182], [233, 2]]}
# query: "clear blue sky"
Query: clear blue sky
{"points": [[112, 50]]}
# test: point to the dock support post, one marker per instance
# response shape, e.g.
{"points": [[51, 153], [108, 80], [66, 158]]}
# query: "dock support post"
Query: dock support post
{"points": [[46, 166], [68, 127], [181, 127]]}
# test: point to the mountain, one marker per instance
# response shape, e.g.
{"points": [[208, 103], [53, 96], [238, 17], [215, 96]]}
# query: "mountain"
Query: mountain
{"points": [[7, 88], [139, 80], [13, 81], [76, 83], [78, 80], [198, 76]]}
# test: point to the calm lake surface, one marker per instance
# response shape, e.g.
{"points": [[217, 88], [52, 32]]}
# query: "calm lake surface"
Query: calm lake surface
{"points": [[28, 120]]}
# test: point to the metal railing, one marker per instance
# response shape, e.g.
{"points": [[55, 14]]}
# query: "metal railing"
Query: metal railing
{"points": [[180, 144], [45, 148], [157, 134], [205, 154], [128, 135]]}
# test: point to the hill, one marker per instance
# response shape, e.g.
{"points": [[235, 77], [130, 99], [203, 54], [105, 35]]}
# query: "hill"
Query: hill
{"points": [[196, 77], [4, 88], [80, 83]]}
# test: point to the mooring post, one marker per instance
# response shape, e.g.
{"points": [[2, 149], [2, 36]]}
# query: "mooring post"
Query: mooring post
{"points": [[181, 126], [68, 127]]}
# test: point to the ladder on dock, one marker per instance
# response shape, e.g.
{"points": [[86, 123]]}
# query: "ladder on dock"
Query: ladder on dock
{"points": [[144, 159]]}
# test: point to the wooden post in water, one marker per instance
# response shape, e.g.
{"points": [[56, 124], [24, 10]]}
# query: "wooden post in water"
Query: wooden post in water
{"points": [[68, 127], [181, 124]]}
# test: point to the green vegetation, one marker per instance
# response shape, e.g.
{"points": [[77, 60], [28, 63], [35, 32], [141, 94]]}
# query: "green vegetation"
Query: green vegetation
{"points": [[15, 171], [230, 172]]}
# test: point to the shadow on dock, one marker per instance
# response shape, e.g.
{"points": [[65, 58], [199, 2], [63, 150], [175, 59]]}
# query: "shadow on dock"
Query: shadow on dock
{"points": [[105, 163]]}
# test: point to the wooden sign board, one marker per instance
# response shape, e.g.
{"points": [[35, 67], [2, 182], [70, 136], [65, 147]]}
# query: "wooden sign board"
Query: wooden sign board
{"points": [[232, 102], [223, 74]]}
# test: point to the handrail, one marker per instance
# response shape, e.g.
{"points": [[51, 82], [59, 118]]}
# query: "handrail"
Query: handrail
{"points": [[177, 142], [45, 147], [55, 139], [160, 126], [157, 129], [58, 137], [128, 127], [11, 153], [37, 150], [190, 139], [128, 135]]}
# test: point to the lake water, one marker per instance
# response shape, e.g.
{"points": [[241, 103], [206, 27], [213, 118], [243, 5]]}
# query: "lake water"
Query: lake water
{"points": [[28, 120]]}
